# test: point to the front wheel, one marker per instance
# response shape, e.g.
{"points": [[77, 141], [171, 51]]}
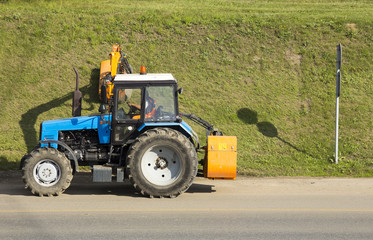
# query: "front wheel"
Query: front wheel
{"points": [[162, 163], [46, 171]]}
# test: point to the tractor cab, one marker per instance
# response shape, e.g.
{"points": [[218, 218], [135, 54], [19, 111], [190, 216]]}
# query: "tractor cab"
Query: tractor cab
{"points": [[140, 101]]}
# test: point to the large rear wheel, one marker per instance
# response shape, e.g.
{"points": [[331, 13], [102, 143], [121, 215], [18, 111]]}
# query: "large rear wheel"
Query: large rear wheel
{"points": [[162, 163], [46, 171]]}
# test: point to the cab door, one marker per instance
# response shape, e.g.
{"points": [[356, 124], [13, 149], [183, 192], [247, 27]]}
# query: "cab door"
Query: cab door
{"points": [[127, 113]]}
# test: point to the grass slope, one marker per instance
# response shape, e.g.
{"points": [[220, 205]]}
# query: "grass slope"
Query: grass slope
{"points": [[261, 70]]}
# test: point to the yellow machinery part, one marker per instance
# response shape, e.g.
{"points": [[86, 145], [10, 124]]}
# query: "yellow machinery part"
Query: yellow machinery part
{"points": [[104, 70], [221, 157], [109, 67], [114, 60], [116, 48], [109, 90]]}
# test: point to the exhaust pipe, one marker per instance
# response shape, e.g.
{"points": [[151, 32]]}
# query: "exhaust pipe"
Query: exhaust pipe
{"points": [[77, 98]]}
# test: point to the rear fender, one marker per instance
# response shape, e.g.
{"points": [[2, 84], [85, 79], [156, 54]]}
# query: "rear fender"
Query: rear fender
{"points": [[182, 127]]}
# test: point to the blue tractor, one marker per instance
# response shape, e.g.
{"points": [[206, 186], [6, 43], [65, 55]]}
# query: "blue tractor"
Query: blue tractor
{"points": [[140, 136]]}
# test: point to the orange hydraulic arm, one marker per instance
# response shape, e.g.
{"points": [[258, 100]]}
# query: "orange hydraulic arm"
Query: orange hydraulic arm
{"points": [[117, 63]]}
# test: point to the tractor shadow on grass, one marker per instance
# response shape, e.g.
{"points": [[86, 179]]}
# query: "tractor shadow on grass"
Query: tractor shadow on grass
{"points": [[266, 128], [5, 164], [29, 118]]}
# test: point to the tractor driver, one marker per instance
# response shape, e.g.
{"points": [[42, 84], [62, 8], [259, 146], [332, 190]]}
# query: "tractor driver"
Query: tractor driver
{"points": [[149, 107]]}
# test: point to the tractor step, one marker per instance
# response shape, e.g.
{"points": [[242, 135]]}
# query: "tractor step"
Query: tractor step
{"points": [[105, 174]]}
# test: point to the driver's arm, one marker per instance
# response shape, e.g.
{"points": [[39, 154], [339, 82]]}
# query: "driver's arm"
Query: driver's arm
{"points": [[134, 105]]}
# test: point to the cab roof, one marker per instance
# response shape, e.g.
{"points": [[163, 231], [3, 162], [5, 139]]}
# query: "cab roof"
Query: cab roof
{"points": [[145, 78]]}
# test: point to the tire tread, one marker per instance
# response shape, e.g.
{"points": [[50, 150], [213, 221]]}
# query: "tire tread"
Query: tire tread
{"points": [[44, 153], [161, 133]]}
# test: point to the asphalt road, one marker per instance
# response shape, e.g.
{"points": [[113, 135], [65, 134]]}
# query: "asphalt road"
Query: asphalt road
{"points": [[246, 208]]}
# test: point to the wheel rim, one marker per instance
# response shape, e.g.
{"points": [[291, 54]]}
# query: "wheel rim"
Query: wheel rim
{"points": [[161, 165], [47, 173]]}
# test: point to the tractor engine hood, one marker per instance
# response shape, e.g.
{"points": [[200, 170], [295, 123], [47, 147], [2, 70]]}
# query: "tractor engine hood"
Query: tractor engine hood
{"points": [[49, 129]]}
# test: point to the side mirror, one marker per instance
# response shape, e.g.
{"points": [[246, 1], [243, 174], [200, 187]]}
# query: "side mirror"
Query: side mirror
{"points": [[180, 90]]}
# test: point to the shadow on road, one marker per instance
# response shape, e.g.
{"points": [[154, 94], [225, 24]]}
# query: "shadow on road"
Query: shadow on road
{"points": [[201, 188], [11, 184]]}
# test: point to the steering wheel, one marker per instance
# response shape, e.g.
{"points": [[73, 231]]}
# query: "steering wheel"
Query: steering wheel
{"points": [[134, 108], [122, 114]]}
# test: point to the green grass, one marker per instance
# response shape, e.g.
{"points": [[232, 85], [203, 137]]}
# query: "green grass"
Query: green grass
{"points": [[263, 71]]}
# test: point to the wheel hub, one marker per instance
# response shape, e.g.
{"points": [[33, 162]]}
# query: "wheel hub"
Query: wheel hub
{"points": [[161, 163], [47, 173]]}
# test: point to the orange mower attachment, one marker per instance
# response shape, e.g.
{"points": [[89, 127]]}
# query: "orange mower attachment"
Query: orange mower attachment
{"points": [[221, 157]]}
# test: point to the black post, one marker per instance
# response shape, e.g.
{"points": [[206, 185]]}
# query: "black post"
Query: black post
{"points": [[338, 93]]}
